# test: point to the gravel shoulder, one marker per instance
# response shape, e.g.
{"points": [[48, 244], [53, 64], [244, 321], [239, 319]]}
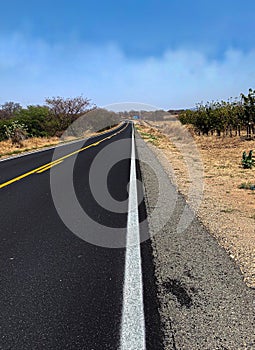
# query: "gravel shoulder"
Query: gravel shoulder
{"points": [[225, 209], [204, 303]]}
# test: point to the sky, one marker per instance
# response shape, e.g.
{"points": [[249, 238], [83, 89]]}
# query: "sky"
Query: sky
{"points": [[165, 53]]}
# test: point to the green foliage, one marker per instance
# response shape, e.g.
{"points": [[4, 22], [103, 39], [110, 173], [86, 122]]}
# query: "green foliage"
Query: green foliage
{"points": [[214, 116], [3, 124], [36, 119], [224, 116], [187, 117], [41, 121], [249, 106], [248, 160]]}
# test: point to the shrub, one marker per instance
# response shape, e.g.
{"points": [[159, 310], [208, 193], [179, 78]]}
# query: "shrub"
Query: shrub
{"points": [[248, 160], [16, 132], [247, 186]]}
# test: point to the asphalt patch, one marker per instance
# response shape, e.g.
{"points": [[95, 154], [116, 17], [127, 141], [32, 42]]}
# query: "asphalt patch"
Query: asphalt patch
{"points": [[175, 287]]}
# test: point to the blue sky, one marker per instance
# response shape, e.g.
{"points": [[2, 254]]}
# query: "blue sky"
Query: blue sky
{"points": [[170, 53]]}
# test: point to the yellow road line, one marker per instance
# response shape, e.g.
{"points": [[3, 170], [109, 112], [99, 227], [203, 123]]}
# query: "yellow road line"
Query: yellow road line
{"points": [[57, 161], [48, 167], [21, 176]]}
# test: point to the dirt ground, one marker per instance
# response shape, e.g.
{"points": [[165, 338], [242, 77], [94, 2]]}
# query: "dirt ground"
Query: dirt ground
{"points": [[228, 206]]}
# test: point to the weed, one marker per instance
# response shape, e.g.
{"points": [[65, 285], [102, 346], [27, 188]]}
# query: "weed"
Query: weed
{"points": [[148, 136], [248, 160], [247, 186], [227, 210]]}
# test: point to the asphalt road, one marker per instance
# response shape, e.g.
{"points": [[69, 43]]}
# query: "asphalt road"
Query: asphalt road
{"points": [[59, 290]]}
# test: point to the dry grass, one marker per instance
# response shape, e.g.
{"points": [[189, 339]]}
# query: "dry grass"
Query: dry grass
{"points": [[7, 148], [227, 210]]}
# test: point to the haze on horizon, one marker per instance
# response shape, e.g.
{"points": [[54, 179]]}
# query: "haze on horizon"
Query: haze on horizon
{"points": [[166, 54]]}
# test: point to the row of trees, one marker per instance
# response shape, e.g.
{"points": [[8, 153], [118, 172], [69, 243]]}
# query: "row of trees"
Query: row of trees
{"points": [[227, 117], [50, 119], [156, 115]]}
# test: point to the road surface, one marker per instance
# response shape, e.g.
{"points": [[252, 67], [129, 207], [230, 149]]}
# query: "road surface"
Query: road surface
{"points": [[69, 282], [59, 291]]}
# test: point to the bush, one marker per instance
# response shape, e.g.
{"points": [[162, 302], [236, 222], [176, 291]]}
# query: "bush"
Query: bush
{"points": [[248, 160], [35, 118], [3, 125], [16, 132]]}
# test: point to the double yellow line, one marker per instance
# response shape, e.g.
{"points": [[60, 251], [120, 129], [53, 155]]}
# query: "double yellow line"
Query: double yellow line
{"points": [[50, 165]]}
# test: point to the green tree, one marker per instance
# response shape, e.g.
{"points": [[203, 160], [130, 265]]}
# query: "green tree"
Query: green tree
{"points": [[38, 120], [249, 106]]}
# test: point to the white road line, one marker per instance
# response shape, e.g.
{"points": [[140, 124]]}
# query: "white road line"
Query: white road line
{"points": [[133, 324]]}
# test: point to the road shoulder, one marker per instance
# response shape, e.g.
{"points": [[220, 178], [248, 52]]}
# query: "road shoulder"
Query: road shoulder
{"points": [[204, 303]]}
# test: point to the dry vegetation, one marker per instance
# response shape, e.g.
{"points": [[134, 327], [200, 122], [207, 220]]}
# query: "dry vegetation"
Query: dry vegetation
{"points": [[227, 210], [7, 148]]}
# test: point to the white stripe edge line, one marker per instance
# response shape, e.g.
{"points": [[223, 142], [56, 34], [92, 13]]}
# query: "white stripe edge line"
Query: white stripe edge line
{"points": [[133, 322]]}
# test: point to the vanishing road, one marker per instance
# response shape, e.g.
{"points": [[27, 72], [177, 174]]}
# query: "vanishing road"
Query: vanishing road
{"points": [[74, 275], [59, 290]]}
